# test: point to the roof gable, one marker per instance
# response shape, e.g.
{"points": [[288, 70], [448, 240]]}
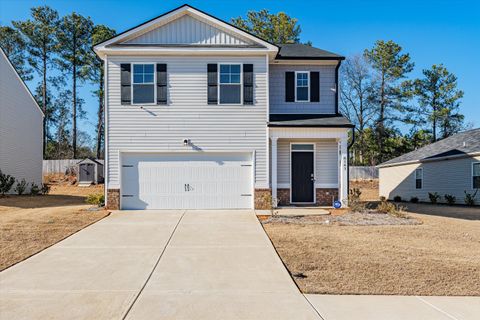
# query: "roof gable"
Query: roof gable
{"points": [[189, 30], [463, 143], [185, 26]]}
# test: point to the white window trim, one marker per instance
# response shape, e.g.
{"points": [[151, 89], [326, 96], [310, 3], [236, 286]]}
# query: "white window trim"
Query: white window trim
{"points": [[415, 178], [226, 84], [473, 164], [314, 170], [308, 94], [154, 84]]}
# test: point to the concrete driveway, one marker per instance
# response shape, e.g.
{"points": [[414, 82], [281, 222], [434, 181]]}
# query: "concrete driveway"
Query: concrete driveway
{"points": [[157, 264], [186, 265]]}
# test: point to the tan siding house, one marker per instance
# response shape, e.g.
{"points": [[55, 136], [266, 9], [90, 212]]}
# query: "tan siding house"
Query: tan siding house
{"points": [[447, 167]]}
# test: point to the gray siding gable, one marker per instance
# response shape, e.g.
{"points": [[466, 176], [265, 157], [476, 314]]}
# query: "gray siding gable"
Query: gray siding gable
{"points": [[326, 105]]}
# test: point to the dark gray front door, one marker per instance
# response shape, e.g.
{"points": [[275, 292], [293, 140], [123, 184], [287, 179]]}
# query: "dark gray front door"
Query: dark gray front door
{"points": [[302, 177], [87, 172]]}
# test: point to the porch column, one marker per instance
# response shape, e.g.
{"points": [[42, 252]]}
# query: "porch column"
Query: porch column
{"points": [[343, 183], [274, 170]]}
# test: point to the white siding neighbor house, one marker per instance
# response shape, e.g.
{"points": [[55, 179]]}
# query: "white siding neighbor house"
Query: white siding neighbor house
{"points": [[448, 167], [21, 123], [200, 114]]}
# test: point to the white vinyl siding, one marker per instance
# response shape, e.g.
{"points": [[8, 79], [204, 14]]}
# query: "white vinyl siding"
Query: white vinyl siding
{"points": [[326, 162], [444, 177], [235, 128], [277, 90], [189, 30], [20, 128]]}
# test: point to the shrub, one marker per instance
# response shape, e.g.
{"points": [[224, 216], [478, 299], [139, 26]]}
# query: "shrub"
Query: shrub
{"points": [[414, 200], [96, 199], [6, 182], [382, 198], [433, 197], [450, 199], [397, 199], [34, 189], [45, 188], [470, 198], [390, 208], [20, 187], [354, 200]]}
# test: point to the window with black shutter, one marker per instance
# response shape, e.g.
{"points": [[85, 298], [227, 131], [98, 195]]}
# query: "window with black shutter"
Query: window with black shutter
{"points": [[161, 83], [248, 84], [125, 81]]}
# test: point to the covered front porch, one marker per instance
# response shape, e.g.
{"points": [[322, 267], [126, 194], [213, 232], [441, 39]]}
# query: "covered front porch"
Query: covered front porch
{"points": [[308, 166]]}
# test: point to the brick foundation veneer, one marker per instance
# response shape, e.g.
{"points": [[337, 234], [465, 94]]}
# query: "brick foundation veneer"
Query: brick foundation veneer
{"points": [[263, 199], [324, 196], [283, 196], [113, 199]]}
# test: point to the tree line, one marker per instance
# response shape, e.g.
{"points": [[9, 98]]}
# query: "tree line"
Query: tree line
{"points": [[56, 51], [376, 93]]}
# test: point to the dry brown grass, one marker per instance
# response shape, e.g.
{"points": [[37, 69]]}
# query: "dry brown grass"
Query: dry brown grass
{"points": [[30, 224], [439, 257], [369, 189]]}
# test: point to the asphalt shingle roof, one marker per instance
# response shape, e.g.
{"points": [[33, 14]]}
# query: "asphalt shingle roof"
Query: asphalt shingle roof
{"points": [[309, 120], [461, 143], [301, 51]]}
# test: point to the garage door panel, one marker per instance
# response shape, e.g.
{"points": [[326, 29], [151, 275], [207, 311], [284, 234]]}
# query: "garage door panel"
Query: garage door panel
{"points": [[186, 181]]}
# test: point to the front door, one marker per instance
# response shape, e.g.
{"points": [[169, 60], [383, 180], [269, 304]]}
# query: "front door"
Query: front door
{"points": [[302, 177]]}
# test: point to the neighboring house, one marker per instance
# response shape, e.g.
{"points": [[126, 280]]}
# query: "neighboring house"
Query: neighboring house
{"points": [[21, 127], [449, 166], [200, 114]]}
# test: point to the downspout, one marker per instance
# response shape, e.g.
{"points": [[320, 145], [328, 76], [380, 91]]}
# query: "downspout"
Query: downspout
{"points": [[336, 85], [348, 158]]}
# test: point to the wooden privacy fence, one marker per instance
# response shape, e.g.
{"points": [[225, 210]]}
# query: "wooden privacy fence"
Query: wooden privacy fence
{"points": [[62, 166], [363, 173]]}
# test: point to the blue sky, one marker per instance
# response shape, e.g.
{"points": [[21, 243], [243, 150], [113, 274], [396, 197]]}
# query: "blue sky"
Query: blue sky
{"points": [[432, 32]]}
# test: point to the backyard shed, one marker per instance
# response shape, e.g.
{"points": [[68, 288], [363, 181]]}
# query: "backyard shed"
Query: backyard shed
{"points": [[90, 171]]}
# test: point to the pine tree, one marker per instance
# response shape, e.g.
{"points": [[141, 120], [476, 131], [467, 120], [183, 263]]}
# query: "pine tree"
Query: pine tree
{"points": [[13, 44], [74, 39], [391, 65], [39, 33], [439, 100]]}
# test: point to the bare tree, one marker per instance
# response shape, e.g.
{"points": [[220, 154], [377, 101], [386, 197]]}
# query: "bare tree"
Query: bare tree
{"points": [[355, 97]]}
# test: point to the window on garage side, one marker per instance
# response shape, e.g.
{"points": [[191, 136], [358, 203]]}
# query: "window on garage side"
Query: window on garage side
{"points": [[476, 175], [419, 178], [230, 83], [143, 84]]}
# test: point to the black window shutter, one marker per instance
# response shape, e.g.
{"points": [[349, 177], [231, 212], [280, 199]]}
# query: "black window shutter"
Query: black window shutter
{"points": [[289, 86], [125, 81], [161, 83], [314, 86], [248, 84], [212, 83]]}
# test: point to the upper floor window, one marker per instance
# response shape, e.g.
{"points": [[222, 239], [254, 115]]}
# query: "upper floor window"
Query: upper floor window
{"points": [[230, 84], [476, 175], [419, 178], [143, 84], [302, 86]]}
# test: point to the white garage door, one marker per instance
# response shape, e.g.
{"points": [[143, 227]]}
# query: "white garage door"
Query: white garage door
{"points": [[186, 181]]}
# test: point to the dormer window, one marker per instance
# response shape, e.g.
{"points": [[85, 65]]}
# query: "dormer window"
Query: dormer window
{"points": [[302, 86]]}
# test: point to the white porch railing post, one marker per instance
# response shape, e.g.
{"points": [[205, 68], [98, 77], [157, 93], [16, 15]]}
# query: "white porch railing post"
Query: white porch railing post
{"points": [[343, 185], [274, 169]]}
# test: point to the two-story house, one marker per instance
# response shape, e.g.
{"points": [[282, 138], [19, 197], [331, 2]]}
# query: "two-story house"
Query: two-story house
{"points": [[200, 114]]}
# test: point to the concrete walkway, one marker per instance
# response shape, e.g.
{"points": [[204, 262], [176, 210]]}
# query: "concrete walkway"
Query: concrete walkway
{"points": [[186, 265]]}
